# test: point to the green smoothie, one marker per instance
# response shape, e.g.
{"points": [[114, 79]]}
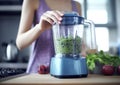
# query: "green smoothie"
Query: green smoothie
{"points": [[68, 45]]}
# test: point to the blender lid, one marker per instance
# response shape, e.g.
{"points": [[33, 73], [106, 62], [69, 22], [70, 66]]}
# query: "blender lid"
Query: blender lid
{"points": [[71, 18]]}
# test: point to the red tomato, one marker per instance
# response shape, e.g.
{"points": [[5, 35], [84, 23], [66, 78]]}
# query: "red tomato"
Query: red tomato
{"points": [[43, 69], [108, 70]]}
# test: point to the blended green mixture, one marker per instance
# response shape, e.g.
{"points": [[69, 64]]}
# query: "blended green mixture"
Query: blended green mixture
{"points": [[68, 45]]}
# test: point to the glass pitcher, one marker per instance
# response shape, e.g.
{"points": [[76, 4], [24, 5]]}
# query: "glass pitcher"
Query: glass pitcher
{"points": [[74, 37]]}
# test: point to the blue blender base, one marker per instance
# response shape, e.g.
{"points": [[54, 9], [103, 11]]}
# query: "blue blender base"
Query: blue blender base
{"points": [[64, 67]]}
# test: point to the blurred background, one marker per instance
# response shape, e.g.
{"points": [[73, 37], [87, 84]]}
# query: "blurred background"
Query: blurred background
{"points": [[104, 13]]}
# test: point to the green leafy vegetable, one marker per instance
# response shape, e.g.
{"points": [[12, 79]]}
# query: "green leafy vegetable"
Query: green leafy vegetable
{"points": [[103, 58]]}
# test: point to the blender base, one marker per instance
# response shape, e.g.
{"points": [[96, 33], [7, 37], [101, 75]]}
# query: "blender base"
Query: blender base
{"points": [[65, 67], [71, 76]]}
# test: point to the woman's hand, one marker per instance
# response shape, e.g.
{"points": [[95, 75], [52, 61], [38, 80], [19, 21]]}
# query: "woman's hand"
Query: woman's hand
{"points": [[49, 18]]}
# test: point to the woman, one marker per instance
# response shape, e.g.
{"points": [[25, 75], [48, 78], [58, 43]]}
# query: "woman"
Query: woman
{"points": [[42, 14]]}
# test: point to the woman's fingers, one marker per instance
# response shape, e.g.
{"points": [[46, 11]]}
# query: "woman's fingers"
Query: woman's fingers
{"points": [[60, 13], [46, 18], [49, 15], [56, 14], [53, 16]]}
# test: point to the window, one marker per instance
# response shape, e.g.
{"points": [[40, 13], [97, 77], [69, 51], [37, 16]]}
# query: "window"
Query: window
{"points": [[102, 13], [97, 11], [102, 38]]}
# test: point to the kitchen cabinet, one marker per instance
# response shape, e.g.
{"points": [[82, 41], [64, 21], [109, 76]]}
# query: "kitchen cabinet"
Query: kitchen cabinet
{"points": [[46, 79], [10, 5]]}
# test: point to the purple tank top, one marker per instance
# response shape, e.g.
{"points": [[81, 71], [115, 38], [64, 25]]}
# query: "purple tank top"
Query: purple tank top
{"points": [[43, 48]]}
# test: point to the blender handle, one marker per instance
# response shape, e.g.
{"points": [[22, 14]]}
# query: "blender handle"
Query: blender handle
{"points": [[91, 25]]}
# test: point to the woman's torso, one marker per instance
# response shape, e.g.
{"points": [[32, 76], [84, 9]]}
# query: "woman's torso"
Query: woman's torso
{"points": [[43, 48]]}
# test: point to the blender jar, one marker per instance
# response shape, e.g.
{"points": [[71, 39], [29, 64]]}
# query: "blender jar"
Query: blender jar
{"points": [[70, 36]]}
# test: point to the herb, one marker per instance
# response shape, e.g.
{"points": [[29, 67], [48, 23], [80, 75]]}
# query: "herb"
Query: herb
{"points": [[68, 45], [103, 58], [110, 59], [92, 59]]}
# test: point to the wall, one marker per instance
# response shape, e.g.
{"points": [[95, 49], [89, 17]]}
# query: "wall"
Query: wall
{"points": [[8, 31]]}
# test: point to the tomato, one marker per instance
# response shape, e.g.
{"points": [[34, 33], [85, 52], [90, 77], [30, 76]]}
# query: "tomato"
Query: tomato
{"points": [[43, 69], [108, 70]]}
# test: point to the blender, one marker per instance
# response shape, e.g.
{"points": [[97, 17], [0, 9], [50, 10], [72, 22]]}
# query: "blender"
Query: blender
{"points": [[69, 60]]}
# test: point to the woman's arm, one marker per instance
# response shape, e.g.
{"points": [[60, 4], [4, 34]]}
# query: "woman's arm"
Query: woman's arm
{"points": [[26, 35]]}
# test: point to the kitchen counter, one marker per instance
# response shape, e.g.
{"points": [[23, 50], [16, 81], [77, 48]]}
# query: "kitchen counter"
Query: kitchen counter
{"points": [[46, 79]]}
